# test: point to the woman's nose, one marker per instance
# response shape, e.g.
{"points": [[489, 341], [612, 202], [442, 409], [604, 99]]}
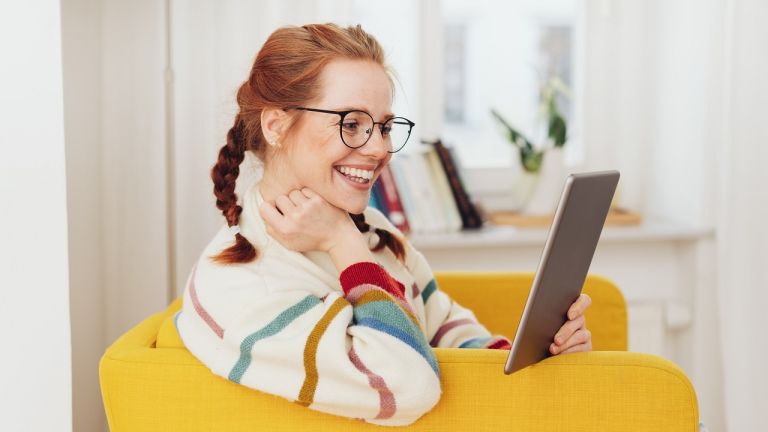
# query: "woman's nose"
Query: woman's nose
{"points": [[376, 146]]}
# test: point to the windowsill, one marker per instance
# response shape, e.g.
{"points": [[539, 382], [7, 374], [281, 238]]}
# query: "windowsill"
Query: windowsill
{"points": [[505, 235]]}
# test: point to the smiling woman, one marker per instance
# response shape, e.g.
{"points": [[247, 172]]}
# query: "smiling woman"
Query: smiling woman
{"points": [[320, 299]]}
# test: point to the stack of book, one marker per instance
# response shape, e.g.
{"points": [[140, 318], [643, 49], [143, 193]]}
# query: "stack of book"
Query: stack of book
{"points": [[423, 192]]}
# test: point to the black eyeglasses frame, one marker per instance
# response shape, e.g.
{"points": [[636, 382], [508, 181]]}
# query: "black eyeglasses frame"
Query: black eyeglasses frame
{"points": [[342, 114]]}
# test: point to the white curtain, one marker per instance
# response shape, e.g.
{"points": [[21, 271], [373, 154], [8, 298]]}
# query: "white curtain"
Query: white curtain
{"points": [[675, 97], [743, 220]]}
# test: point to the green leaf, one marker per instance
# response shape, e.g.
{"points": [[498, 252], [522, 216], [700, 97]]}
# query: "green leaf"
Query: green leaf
{"points": [[513, 135], [557, 129]]}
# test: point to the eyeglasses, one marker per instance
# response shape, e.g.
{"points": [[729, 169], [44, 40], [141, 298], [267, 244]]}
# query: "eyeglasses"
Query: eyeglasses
{"points": [[356, 128]]}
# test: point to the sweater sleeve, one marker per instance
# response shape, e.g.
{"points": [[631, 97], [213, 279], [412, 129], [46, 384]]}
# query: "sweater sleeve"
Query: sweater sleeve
{"points": [[360, 354], [448, 324]]}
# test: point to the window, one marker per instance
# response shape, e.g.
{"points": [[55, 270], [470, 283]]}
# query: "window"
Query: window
{"points": [[498, 54], [457, 59]]}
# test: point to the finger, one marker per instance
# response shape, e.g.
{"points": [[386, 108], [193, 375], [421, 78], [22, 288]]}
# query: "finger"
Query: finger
{"points": [[271, 216], [297, 197], [578, 348], [309, 193], [569, 328], [284, 204], [580, 337], [579, 306]]}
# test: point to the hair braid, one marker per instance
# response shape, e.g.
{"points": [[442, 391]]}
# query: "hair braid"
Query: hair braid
{"points": [[224, 175], [386, 238]]}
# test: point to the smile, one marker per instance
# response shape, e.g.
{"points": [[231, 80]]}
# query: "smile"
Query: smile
{"points": [[355, 174]]}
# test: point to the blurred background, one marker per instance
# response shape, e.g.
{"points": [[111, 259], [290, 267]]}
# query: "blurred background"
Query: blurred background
{"points": [[113, 113]]}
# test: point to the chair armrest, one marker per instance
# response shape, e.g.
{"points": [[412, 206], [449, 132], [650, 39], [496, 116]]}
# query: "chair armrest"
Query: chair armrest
{"points": [[594, 391], [152, 389], [498, 300]]}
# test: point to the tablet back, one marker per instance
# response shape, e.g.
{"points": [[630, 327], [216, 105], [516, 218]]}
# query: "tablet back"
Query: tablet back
{"points": [[564, 264]]}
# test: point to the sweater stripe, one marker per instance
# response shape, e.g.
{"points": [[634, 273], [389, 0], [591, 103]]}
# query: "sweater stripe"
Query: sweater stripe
{"points": [[372, 294], [428, 290], [388, 312], [446, 327], [501, 343], [387, 403], [355, 293], [478, 342], [275, 326], [307, 393], [415, 289], [207, 318], [366, 272], [420, 348]]}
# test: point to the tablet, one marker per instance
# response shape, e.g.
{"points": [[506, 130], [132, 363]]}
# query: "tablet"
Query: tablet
{"points": [[564, 264]]}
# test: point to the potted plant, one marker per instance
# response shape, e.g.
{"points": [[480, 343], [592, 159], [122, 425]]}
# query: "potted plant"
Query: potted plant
{"points": [[541, 163]]}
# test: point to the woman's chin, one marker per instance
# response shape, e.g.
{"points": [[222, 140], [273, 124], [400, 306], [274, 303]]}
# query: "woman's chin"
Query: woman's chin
{"points": [[354, 207], [358, 209]]}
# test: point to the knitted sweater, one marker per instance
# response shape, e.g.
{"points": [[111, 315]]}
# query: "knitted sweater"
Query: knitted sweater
{"points": [[355, 344]]}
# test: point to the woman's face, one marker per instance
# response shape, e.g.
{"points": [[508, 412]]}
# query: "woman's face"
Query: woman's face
{"points": [[314, 150]]}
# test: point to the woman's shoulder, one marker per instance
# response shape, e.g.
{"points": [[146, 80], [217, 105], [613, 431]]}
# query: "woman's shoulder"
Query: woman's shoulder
{"points": [[272, 270]]}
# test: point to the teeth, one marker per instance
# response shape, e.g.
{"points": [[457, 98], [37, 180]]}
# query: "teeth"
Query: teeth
{"points": [[356, 172]]}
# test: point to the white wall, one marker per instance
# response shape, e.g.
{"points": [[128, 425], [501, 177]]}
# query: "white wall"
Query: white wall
{"points": [[35, 367]]}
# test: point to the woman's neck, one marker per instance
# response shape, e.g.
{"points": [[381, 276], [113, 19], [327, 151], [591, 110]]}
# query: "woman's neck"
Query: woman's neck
{"points": [[271, 186]]}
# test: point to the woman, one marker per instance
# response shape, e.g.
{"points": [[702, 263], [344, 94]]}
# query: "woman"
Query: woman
{"points": [[307, 293]]}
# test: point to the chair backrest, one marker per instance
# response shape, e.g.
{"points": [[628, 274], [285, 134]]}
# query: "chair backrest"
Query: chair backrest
{"points": [[498, 300]]}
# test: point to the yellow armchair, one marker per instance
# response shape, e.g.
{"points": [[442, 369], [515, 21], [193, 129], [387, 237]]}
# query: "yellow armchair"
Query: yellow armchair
{"points": [[150, 382]]}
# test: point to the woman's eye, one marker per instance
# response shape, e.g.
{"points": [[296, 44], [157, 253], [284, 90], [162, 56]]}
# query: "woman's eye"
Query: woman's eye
{"points": [[349, 126], [386, 130]]}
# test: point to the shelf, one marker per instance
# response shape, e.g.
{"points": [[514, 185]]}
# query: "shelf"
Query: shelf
{"points": [[505, 236]]}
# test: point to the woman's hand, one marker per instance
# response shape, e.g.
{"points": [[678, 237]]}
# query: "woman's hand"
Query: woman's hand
{"points": [[573, 336], [308, 222]]}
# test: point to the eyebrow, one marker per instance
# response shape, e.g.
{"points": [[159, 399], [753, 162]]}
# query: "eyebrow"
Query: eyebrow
{"points": [[351, 108]]}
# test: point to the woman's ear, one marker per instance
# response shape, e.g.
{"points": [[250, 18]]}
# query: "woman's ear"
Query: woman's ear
{"points": [[274, 123]]}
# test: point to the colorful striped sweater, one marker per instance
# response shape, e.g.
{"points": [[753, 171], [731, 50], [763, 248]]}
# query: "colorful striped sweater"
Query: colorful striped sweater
{"points": [[356, 343]]}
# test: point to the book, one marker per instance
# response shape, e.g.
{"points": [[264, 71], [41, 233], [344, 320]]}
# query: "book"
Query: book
{"points": [[448, 210], [373, 202], [423, 192], [404, 189], [388, 192], [470, 217], [378, 195]]}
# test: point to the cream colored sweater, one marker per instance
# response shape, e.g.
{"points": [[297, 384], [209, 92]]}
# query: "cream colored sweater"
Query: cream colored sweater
{"points": [[356, 343]]}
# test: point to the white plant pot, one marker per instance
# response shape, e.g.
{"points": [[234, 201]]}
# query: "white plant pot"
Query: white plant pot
{"points": [[549, 184]]}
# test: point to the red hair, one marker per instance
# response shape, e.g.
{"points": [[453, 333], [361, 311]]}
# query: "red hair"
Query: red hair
{"points": [[286, 72]]}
